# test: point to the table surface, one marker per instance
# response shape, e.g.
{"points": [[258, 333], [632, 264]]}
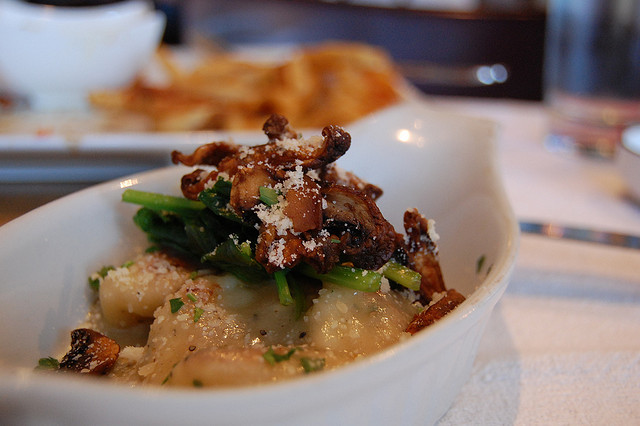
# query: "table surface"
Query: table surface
{"points": [[563, 344]]}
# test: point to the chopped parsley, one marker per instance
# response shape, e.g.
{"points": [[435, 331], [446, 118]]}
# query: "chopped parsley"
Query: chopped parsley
{"points": [[94, 279], [192, 297], [94, 283], [197, 313], [166, 379], [176, 304], [269, 196], [273, 358], [480, 263], [312, 364], [48, 363]]}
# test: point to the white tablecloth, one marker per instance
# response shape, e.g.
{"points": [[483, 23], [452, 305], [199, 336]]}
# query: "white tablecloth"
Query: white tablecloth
{"points": [[563, 344]]}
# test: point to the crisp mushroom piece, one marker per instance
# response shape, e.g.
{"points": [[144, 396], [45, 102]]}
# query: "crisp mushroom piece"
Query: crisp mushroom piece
{"points": [[91, 352], [275, 154], [367, 239], [330, 222], [435, 311], [422, 252]]}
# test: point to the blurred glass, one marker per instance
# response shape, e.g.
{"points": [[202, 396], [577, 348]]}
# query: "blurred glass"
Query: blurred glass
{"points": [[592, 73]]}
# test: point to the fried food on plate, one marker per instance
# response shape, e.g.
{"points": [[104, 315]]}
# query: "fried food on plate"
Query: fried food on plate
{"points": [[333, 82]]}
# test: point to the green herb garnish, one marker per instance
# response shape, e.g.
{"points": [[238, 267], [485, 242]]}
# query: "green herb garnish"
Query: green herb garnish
{"points": [[312, 364], [94, 281], [197, 313], [48, 363], [237, 259], [217, 200], [192, 297], [161, 202], [176, 304], [480, 263], [272, 357], [210, 233], [269, 196], [298, 295], [402, 275], [355, 278], [284, 292]]}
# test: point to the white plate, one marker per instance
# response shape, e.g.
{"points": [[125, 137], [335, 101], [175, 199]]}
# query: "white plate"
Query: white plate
{"points": [[440, 163], [89, 146], [92, 146]]}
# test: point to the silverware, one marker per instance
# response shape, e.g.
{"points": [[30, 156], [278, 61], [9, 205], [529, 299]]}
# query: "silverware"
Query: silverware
{"points": [[581, 234]]}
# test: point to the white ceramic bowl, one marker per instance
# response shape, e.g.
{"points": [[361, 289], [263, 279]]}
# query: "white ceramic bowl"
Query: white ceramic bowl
{"points": [[442, 164], [628, 160], [55, 55]]}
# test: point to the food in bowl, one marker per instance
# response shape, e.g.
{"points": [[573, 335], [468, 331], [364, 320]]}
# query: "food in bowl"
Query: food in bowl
{"points": [[409, 150], [274, 264]]}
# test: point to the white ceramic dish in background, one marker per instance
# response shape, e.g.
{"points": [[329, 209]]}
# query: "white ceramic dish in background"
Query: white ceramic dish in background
{"points": [[628, 160], [440, 163], [91, 146], [56, 55]]}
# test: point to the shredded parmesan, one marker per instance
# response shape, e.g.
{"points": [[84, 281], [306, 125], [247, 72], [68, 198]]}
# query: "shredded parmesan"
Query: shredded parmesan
{"points": [[431, 230]]}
